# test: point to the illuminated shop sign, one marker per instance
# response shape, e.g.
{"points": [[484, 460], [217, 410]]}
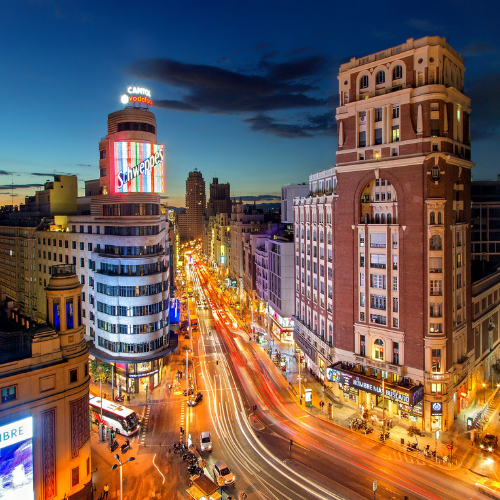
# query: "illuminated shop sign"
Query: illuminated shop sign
{"points": [[409, 397], [137, 95], [16, 452], [140, 375], [174, 311], [139, 167], [436, 408]]}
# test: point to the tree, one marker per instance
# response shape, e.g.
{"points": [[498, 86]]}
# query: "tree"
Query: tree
{"points": [[100, 371]]}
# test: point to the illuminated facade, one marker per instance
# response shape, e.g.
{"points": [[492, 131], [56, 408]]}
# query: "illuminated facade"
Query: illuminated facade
{"points": [[196, 201], [383, 283], [44, 398]]}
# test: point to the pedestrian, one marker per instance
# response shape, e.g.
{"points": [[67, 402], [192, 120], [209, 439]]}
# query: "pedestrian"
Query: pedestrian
{"points": [[106, 490]]}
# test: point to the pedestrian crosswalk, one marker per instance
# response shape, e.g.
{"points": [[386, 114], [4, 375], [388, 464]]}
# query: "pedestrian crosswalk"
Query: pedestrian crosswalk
{"points": [[144, 427], [183, 413], [404, 457]]}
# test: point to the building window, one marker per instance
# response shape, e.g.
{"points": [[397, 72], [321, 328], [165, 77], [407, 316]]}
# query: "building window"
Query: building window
{"points": [[394, 283], [395, 353], [362, 259], [361, 240], [436, 287], [89, 247], [73, 376], [395, 322], [436, 388], [73, 245], [378, 281], [378, 136], [362, 347], [82, 245], [397, 73], [75, 476], [378, 114], [435, 242], [361, 279], [459, 260], [363, 83], [362, 139], [82, 262], [9, 394], [395, 133], [395, 262], [395, 111], [362, 300], [436, 361], [395, 304], [380, 77], [379, 349], [394, 240]]}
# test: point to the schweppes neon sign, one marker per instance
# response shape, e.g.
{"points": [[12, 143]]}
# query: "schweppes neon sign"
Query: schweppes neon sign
{"points": [[143, 168]]}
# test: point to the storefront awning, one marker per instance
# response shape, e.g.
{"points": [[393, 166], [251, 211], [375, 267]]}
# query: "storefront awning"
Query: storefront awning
{"points": [[410, 396]]}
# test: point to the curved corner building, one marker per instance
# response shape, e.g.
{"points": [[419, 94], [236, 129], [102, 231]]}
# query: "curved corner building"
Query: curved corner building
{"points": [[129, 266]]}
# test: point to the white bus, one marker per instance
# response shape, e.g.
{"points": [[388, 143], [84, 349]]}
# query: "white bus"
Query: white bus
{"points": [[123, 420]]}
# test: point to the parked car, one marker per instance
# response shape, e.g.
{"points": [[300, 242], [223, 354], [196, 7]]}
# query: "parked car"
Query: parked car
{"points": [[197, 399], [489, 442], [223, 471], [206, 441]]}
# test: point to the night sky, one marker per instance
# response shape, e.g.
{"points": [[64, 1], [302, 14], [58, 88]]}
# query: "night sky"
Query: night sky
{"points": [[246, 91]]}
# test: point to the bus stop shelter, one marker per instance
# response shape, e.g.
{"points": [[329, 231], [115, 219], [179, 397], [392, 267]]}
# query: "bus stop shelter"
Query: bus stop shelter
{"points": [[203, 488]]}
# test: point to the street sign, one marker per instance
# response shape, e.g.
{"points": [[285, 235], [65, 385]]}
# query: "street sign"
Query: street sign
{"points": [[374, 485], [449, 446]]}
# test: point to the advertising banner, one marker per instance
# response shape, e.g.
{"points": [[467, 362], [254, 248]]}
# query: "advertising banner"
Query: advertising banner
{"points": [[16, 460], [139, 167]]}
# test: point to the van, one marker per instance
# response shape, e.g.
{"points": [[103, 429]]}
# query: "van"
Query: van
{"points": [[206, 441]]}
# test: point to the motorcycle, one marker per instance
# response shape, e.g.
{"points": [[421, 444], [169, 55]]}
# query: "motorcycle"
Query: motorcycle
{"points": [[119, 399], [114, 445], [385, 436], [369, 429], [125, 446]]}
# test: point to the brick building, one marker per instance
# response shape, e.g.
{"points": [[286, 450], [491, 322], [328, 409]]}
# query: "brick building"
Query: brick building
{"points": [[383, 288]]}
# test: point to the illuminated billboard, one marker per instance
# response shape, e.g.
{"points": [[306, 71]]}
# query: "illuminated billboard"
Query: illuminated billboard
{"points": [[139, 167], [16, 460]]}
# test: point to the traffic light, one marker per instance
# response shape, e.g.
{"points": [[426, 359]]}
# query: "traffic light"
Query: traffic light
{"points": [[254, 407]]}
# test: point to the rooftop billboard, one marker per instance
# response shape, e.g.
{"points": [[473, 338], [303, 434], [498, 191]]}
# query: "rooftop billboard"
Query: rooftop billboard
{"points": [[139, 167]]}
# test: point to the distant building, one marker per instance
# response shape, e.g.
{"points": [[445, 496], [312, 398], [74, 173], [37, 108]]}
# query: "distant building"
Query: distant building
{"points": [[195, 205], [220, 198], [44, 377], [58, 197], [485, 232], [288, 193]]}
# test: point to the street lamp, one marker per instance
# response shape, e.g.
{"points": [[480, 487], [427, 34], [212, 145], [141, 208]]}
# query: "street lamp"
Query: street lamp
{"points": [[121, 464]]}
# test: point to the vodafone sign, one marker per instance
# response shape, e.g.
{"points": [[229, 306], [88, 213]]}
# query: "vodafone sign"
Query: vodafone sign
{"points": [[139, 95]]}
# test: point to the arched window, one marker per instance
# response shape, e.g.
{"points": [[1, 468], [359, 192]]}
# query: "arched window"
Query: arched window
{"points": [[382, 219], [308, 233], [380, 77], [377, 219], [302, 232], [389, 219], [436, 242], [432, 218], [314, 235], [367, 219], [363, 83], [379, 349], [440, 221], [397, 73]]}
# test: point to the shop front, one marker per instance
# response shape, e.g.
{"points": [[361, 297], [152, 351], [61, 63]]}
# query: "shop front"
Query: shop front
{"points": [[133, 378], [280, 327], [359, 390], [307, 352], [436, 416]]}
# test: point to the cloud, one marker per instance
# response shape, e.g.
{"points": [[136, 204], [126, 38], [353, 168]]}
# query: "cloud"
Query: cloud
{"points": [[313, 126], [257, 89], [4, 172], [7, 187], [477, 49], [49, 174], [485, 104], [423, 25]]}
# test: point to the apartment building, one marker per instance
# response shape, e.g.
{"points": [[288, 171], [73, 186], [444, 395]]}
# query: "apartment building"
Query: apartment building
{"points": [[196, 202], [393, 312]]}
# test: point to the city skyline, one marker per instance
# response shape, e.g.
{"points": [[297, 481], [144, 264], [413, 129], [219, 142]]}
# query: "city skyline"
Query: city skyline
{"points": [[236, 102]]}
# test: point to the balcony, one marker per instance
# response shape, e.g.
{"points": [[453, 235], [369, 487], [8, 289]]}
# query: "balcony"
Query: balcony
{"points": [[378, 266], [436, 270]]}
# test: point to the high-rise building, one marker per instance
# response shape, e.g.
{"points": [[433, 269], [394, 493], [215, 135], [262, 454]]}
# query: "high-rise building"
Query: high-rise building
{"points": [[220, 198], [195, 205], [383, 288], [288, 193]]}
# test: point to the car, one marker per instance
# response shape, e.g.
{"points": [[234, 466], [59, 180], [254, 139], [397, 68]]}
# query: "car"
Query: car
{"points": [[206, 441], [222, 470], [490, 488], [489, 442], [197, 399]]}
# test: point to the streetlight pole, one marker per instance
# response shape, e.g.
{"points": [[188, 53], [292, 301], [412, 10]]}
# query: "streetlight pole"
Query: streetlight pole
{"points": [[484, 393], [121, 464], [383, 408]]}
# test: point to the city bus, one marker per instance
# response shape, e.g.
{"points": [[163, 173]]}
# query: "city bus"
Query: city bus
{"points": [[115, 415]]}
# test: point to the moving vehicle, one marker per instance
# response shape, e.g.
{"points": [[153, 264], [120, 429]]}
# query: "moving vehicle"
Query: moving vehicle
{"points": [[197, 399], [122, 419], [194, 321], [489, 442], [206, 441], [490, 488], [223, 471]]}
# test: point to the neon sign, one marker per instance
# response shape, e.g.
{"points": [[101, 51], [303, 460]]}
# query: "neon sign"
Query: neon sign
{"points": [[139, 167], [138, 95]]}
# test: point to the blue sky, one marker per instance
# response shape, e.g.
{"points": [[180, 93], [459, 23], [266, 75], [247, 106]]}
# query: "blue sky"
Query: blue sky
{"points": [[246, 91]]}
